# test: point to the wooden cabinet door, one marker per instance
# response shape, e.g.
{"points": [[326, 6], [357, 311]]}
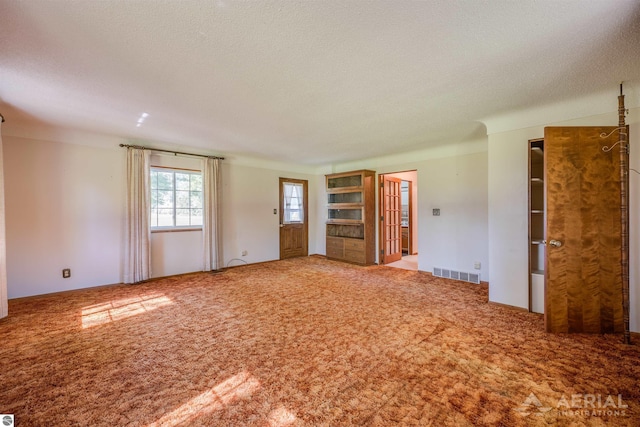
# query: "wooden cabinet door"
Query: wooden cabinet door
{"points": [[391, 212], [583, 291]]}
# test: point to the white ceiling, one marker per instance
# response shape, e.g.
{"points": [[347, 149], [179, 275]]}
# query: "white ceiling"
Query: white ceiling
{"points": [[306, 82]]}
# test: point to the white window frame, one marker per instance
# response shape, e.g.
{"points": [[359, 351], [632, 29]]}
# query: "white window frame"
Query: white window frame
{"points": [[159, 228], [298, 189]]}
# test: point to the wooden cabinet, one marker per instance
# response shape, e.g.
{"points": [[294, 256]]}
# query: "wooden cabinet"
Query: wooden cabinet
{"points": [[351, 216]]}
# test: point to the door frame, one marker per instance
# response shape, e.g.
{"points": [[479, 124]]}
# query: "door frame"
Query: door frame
{"points": [[412, 242], [305, 208], [410, 250], [382, 210], [530, 144]]}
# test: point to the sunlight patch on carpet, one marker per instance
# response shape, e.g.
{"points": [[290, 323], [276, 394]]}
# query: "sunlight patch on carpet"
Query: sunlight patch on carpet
{"points": [[100, 314], [281, 417], [305, 342], [240, 386]]}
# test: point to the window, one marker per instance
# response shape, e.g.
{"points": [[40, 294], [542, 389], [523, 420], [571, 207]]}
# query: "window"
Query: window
{"points": [[176, 198], [293, 203]]}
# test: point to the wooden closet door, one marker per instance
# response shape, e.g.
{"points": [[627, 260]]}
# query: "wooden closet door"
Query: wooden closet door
{"points": [[583, 291]]}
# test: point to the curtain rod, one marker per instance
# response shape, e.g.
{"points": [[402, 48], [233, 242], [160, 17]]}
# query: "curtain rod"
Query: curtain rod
{"points": [[169, 151]]}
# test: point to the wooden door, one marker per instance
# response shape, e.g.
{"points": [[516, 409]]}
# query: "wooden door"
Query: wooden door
{"points": [[294, 214], [583, 291], [390, 221]]}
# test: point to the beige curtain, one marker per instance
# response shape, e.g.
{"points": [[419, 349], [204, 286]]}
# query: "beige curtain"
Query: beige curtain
{"points": [[4, 306], [137, 265], [211, 228]]}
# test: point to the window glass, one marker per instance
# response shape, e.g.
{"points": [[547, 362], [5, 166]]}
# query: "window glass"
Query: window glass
{"points": [[293, 203], [176, 198]]}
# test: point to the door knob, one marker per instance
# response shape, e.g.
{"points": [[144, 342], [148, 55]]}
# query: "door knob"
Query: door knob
{"points": [[281, 225], [555, 243]]}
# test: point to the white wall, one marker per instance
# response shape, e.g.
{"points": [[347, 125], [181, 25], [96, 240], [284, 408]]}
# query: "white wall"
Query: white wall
{"points": [[64, 209], [4, 297], [250, 194], [176, 252], [453, 179], [508, 217], [458, 237], [318, 228]]}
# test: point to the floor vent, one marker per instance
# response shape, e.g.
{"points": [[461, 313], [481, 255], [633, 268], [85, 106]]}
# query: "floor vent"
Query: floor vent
{"points": [[456, 275]]}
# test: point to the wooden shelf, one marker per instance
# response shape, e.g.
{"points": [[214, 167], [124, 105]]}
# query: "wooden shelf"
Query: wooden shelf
{"points": [[352, 237], [537, 247], [344, 206], [345, 221], [347, 181], [338, 190]]}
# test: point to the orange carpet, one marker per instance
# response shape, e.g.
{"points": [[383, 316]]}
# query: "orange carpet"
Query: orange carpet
{"points": [[304, 342]]}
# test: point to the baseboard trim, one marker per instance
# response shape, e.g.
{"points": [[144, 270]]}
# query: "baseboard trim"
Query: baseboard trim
{"points": [[151, 279], [510, 307], [67, 292], [246, 264]]}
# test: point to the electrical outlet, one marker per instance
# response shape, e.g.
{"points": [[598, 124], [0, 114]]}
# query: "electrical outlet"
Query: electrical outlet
{"points": [[66, 273], [244, 253], [477, 265]]}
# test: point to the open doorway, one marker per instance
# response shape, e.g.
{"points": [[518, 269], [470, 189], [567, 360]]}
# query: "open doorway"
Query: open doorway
{"points": [[398, 232]]}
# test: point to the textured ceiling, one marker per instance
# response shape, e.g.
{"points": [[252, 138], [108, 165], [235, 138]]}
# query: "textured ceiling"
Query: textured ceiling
{"points": [[306, 82]]}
